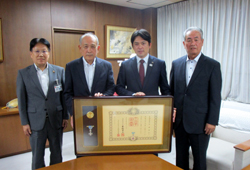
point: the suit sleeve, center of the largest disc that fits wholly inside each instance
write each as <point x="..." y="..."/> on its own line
<point x="215" y="95"/>
<point x="172" y="80"/>
<point x="68" y="89"/>
<point x="121" y="83"/>
<point x="110" y="82"/>
<point x="65" y="112"/>
<point x="22" y="99"/>
<point x="165" y="89"/>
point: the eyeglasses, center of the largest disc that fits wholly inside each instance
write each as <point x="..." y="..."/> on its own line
<point x="91" y="46"/>
<point x="39" y="52"/>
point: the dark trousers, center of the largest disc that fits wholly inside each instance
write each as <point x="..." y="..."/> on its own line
<point x="198" y="143"/>
<point x="38" y="142"/>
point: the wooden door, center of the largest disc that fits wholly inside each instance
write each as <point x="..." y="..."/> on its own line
<point x="65" y="45"/>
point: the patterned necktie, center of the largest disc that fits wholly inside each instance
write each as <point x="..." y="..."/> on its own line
<point x="141" y="71"/>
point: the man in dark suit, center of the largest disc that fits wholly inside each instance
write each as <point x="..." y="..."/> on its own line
<point x="41" y="103"/>
<point x="195" y="82"/>
<point x="143" y="74"/>
<point x="88" y="75"/>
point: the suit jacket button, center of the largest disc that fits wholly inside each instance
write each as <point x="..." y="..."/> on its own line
<point x="46" y="99"/>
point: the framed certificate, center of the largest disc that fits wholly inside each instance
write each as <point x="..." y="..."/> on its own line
<point x="122" y="125"/>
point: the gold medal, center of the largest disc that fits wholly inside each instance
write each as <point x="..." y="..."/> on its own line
<point x="90" y="115"/>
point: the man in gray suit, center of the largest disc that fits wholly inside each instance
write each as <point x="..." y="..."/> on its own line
<point x="41" y="103"/>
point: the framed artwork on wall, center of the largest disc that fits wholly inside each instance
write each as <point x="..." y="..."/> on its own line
<point x="117" y="42"/>
<point x="1" y="42"/>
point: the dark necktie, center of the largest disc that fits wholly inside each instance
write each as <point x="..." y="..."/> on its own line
<point x="141" y="71"/>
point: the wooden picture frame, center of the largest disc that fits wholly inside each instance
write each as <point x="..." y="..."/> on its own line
<point x="122" y="125"/>
<point x="117" y="42"/>
<point x="1" y="42"/>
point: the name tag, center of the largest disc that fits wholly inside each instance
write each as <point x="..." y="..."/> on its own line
<point x="58" y="88"/>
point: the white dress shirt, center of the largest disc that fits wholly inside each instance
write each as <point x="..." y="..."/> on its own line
<point x="43" y="77"/>
<point x="89" y="70"/>
<point x="190" y="67"/>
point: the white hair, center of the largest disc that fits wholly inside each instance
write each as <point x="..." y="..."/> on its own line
<point x="90" y="34"/>
<point x="192" y="29"/>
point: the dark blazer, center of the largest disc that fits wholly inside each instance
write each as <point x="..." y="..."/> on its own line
<point x="76" y="84"/>
<point x="128" y="81"/>
<point x="199" y="102"/>
<point x="32" y="102"/>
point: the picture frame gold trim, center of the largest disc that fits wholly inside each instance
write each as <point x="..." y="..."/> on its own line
<point x="117" y="42"/>
<point x="1" y="42"/>
<point x="100" y="148"/>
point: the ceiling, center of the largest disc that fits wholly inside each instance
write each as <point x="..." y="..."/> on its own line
<point x="139" y="4"/>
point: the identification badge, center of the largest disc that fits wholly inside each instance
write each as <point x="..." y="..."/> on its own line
<point x="58" y="87"/>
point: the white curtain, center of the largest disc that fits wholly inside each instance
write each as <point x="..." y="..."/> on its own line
<point x="226" y="27"/>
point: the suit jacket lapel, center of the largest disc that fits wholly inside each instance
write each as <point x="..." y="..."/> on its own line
<point x="182" y="73"/>
<point x="198" y="69"/>
<point x="98" y="71"/>
<point x="80" y="68"/>
<point x="135" y="70"/>
<point x="34" y="78"/>
<point x="52" y="79"/>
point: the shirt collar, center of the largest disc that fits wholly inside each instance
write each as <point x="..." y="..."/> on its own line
<point x="37" y="68"/>
<point x="145" y="58"/>
<point x="85" y="62"/>
<point x="196" y="58"/>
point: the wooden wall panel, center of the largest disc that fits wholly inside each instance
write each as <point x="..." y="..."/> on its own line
<point x="21" y="21"/>
<point x="150" y="15"/>
<point x="78" y="14"/>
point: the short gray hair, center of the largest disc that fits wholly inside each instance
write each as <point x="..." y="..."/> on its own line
<point x="90" y="34"/>
<point x="192" y="29"/>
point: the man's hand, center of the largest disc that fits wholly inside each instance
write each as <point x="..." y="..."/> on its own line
<point x="64" y="123"/>
<point x="98" y="94"/>
<point x="209" y="129"/>
<point x="174" y="114"/>
<point x="27" y="130"/>
<point x="139" y="94"/>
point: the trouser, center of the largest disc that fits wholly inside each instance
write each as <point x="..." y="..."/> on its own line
<point x="38" y="142"/>
<point x="198" y="143"/>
